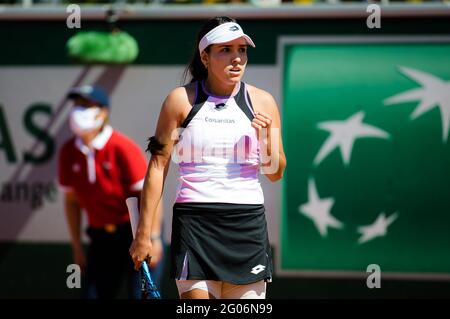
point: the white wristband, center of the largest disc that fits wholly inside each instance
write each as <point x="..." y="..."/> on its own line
<point x="155" y="237"/>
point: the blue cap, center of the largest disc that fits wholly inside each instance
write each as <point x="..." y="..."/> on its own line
<point x="90" y="92"/>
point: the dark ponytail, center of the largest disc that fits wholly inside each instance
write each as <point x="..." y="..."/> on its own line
<point x="195" y="69"/>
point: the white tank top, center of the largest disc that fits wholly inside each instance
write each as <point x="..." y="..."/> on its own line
<point x="218" y="151"/>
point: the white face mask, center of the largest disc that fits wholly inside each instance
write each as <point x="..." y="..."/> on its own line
<point x="84" y="120"/>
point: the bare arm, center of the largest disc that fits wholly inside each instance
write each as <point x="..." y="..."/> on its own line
<point x="169" y="119"/>
<point x="157" y="219"/>
<point x="157" y="222"/>
<point x="268" y="125"/>
<point x="156" y="237"/>
<point x="74" y="217"/>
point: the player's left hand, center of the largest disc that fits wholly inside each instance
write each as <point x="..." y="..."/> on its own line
<point x="261" y="120"/>
<point x="262" y="123"/>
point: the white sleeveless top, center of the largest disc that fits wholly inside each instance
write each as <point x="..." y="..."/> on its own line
<point x="218" y="151"/>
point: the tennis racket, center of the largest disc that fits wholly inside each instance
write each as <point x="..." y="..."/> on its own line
<point x="148" y="287"/>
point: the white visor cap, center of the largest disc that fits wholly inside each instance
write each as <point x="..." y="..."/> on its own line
<point x="223" y="33"/>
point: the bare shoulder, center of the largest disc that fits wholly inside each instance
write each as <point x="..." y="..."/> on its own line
<point x="181" y="95"/>
<point x="262" y="100"/>
<point x="179" y="101"/>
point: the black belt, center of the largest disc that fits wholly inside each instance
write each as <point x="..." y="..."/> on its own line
<point x="109" y="229"/>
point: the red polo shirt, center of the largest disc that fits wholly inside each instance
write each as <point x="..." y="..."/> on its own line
<point x="104" y="177"/>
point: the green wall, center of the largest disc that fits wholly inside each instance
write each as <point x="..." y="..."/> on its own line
<point x="171" y="41"/>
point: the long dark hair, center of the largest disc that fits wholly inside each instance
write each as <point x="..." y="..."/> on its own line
<point x="195" y="69"/>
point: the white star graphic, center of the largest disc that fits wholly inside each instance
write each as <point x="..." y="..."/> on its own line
<point x="344" y="134"/>
<point x="434" y="92"/>
<point x="318" y="210"/>
<point x="377" y="229"/>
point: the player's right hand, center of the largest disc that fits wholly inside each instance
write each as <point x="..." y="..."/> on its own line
<point x="140" y="250"/>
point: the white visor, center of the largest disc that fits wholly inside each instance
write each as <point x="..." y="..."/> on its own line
<point x="223" y="33"/>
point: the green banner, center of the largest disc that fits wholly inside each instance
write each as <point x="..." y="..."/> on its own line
<point x="366" y="131"/>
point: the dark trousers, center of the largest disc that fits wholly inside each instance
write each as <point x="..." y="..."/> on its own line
<point x="109" y="265"/>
